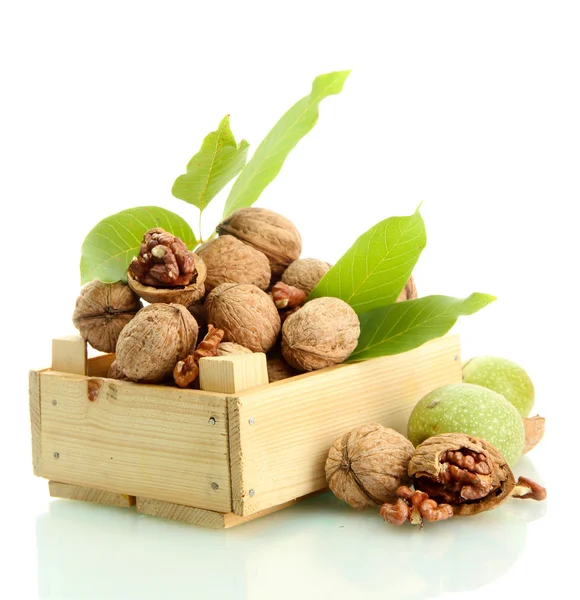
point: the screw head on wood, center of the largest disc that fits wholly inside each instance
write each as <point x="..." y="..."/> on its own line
<point x="214" y="485"/>
<point x="251" y="421"/>
<point x="56" y="455"/>
<point x="211" y="421"/>
<point x="251" y="493"/>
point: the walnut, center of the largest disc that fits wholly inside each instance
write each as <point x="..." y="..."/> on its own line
<point x="186" y="371"/>
<point x="415" y="507"/>
<point x="287" y="296"/>
<point x="267" y="231"/>
<point x="409" y="292"/>
<point x="230" y="261"/>
<point x="152" y="343"/>
<point x="322" y="333"/>
<point x="246" y="314"/>
<point x="115" y="373"/>
<point x="279" y="369"/>
<point x="229" y="348"/>
<point x="463" y="471"/>
<point x="101" y="312"/>
<point x="305" y="273"/>
<point x="166" y="271"/>
<point x="366" y="466"/>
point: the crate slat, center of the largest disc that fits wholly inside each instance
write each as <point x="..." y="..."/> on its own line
<point x="143" y="440"/>
<point x="197" y="516"/>
<point x="77" y="492"/>
<point x="280" y="434"/>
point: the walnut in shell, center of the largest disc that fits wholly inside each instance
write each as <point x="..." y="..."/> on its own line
<point x="461" y="470"/>
<point x="229" y="348"/>
<point x="152" y="343"/>
<point x="366" y="466"/>
<point x="305" y="273"/>
<point x="322" y="333"/>
<point x="101" y="312"/>
<point x="247" y="315"/>
<point x="267" y="231"/>
<point x="409" y="292"/>
<point x="230" y="261"/>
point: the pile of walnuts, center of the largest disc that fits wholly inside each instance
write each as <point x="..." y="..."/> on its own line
<point x="249" y="283"/>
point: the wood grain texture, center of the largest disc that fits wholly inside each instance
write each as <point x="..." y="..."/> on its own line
<point x="69" y="355"/>
<point x="35" y="420"/>
<point x="76" y="492"/>
<point x="281" y="455"/>
<point x="232" y="374"/>
<point x="197" y="516"/>
<point x="143" y="440"/>
<point x="98" y="366"/>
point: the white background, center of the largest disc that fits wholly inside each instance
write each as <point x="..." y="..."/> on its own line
<point x="470" y="107"/>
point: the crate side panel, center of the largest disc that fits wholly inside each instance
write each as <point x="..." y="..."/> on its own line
<point x="34" y="407"/>
<point x="280" y="436"/>
<point x="136" y="439"/>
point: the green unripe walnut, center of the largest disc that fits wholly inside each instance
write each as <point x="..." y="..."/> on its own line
<point x="504" y="377"/>
<point x="470" y="409"/>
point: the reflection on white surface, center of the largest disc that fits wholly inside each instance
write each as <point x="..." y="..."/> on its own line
<point x="320" y="546"/>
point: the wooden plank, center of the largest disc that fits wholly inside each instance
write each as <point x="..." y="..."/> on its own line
<point x="35" y="430"/>
<point x="232" y="374"/>
<point x="76" y="492"/>
<point x="143" y="440"/>
<point x="280" y="435"/>
<point x="98" y="366"/>
<point x="198" y="516"/>
<point x="69" y="355"/>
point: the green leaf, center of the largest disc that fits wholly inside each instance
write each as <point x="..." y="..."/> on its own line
<point x="270" y="155"/>
<point x="113" y="242"/>
<point x="218" y="161"/>
<point x="376" y="268"/>
<point x="406" y="325"/>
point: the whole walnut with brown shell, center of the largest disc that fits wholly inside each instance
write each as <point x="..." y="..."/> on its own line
<point x="228" y="260"/>
<point x="158" y="337"/>
<point x="247" y="315"/>
<point x="268" y="232"/>
<point x="101" y="312"/>
<point x="305" y="273"/>
<point x="409" y="292"/>
<point x="367" y="465"/>
<point x="324" y="332"/>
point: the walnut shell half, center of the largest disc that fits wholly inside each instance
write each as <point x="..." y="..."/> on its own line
<point x="436" y="468"/>
<point x="324" y="332"/>
<point x="185" y="295"/>
<point x="246" y="314"/>
<point x="366" y="465"/>
<point x="267" y="231"/>
<point x="151" y="344"/>
<point x="230" y="261"/>
<point x="101" y="312"/>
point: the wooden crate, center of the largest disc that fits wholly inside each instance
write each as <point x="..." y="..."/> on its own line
<point x="238" y="449"/>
